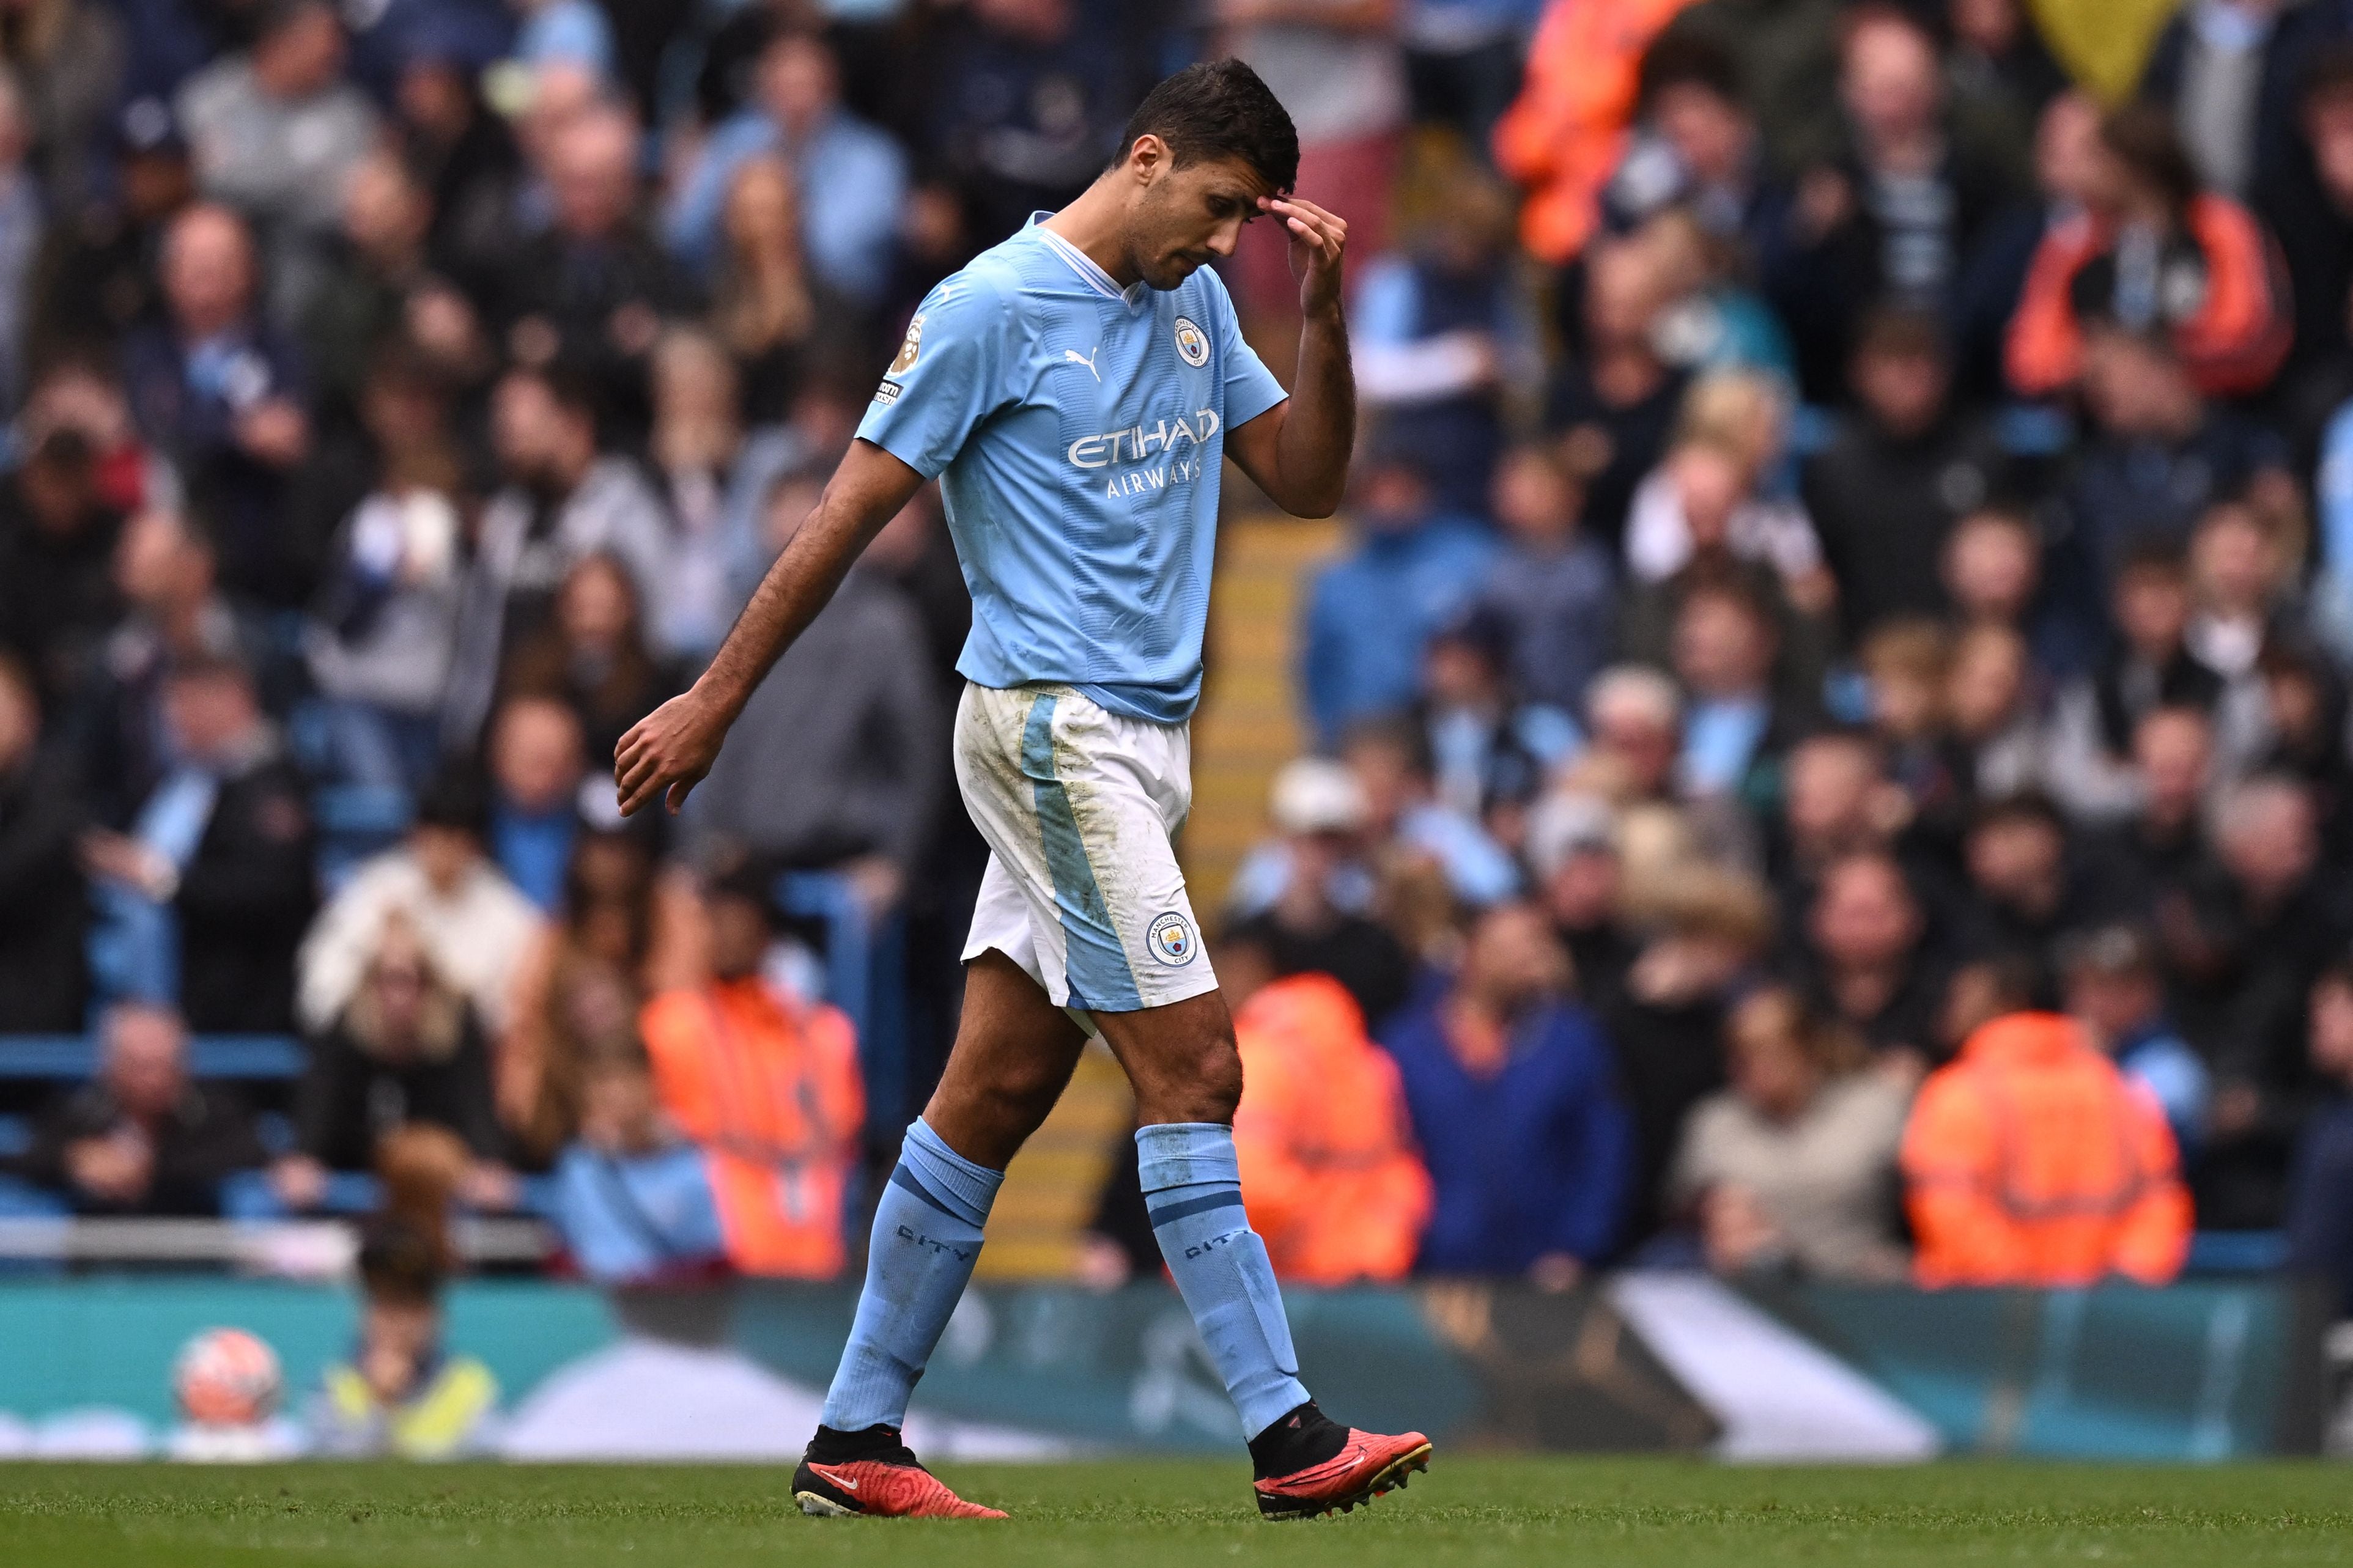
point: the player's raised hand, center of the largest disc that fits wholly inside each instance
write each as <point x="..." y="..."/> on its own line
<point x="669" y="751"/>
<point x="1317" y="240"/>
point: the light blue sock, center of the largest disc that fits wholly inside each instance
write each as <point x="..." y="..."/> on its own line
<point x="1193" y="1187"/>
<point x="927" y="1232"/>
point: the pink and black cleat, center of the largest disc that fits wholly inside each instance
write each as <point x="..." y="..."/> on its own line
<point x="1367" y="1465"/>
<point x="874" y="1474"/>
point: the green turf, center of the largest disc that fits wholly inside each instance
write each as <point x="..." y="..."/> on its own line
<point x="1138" y="1515"/>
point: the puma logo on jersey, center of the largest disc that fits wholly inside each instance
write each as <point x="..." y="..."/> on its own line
<point x="1088" y="361"/>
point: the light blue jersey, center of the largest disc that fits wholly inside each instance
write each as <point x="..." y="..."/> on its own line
<point x="1077" y="433"/>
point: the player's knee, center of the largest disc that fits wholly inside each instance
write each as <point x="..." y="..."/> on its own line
<point x="1199" y="1081"/>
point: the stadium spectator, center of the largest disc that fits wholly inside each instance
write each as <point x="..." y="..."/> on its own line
<point x="767" y="307"/>
<point x="1696" y="149"/>
<point x="1868" y="962"/>
<point x="142" y="1137"/>
<point x="222" y="392"/>
<point x="2028" y="886"/>
<point x="1898" y="475"/>
<point x="633" y="1196"/>
<point x="2031" y="1161"/>
<point x="766" y="1083"/>
<point x="537" y="772"/>
<point x="591" y="655"/>
<point x="2115" y="988"/>
<point x="1437" y="337"/>
<point x="57" y="538"/>
<point x="2157" y="854"/>
<point x="711" y="475"/>
<point x="366" y="279"/>
<point x="2096" y="715"/>
<point x="1733" y="729"/>
<point x="1326" y="1150"/>
<point x="1555" y="586"/>
<point x="1315" y="920"/>
<point x="2264" y="920"/>
<point x="472" y="922"/>
<point x="576" y="991"/>
<point x="1390" y="758"/>
<point x="274" y="131"/>
<point x="1573" y="862"/>
<point x="2319" y="1214"/>
<point x="43" y="916"/>
<point x="1489" y="749"/>
<point x="837" y="758"/>
<point x="2304" y="194"/>
<point x="402" y="1393"/>
<point x="1718" y="494"/>
<point x="1510" y="1089"/>
<point x="1369" y="615"/>
<point x="1613" y="406"/>
<point x="1992" y="569"/>
<point x="1562" y="136"/>
<point x="406" y="1049"/>
<point x="852" y="177"/>
<point x="1337" y="68"/>
<point x="2153" y="254"/>
<point x="566" y="497"/>
<point x="204" y="897"/>
<point x="380" y="636"/>
<point x="1895" y="215"/>
<point x="590" y="289"/>
<point x="1026" y="101"/>
<point x="2229" y="71"/>
<point x="1792" y="1168"/>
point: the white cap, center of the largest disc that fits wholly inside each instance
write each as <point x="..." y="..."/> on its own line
<point x="1562" y="824"/>
<point x="1315" y="794"/>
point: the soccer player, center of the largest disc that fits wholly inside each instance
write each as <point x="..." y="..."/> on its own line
<point x="1075" y="390"/>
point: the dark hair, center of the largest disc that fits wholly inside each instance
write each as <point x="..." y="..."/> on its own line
<point x="1897" y="331"/>
<point x="401" y="1264"/>
<point x="2026" y="807"/>
<point x="2154" y="557"/>
<point x="2143" y="137"/>
<point x="1686" y="60"/>
<point x="2329" y="75"/>
<point x="1218" y="108"/>
<point x="456" y="800"/>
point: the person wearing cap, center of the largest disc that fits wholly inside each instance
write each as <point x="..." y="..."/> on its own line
<point x="202" y="897"/>
<point x="1572" y="856"/>
<point x="2115" y="988"/>
<point x="1314" y="920"/>
<point x="474" y="923"/>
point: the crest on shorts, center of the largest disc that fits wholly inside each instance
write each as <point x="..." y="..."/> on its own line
<point x="910" y="348"/>
<point x="1192" y="342"/>
<point x="1171" y="939"/>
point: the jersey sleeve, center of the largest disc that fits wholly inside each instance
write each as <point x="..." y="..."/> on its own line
<point x="953" y="371"/>
<point x="1251" y="388"/>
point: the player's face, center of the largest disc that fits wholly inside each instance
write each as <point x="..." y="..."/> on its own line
<point x="1189" y="214"/>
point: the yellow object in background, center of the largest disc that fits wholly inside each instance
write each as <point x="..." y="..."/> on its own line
<point x="2104" y="43"/>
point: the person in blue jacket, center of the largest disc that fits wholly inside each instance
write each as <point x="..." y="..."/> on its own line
<point x="1510" y="1088"/>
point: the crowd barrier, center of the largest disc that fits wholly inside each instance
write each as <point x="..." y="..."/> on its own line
<point x="1640" y="1362"/>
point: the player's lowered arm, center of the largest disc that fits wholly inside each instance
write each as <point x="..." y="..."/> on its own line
<point x="671" y="750"/>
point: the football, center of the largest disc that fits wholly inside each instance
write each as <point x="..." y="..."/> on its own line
<point x="228" y="1377"/>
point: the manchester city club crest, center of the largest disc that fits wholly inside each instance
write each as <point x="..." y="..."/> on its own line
<point x="1192" y="342"/>
<point x="1171" y="939"/>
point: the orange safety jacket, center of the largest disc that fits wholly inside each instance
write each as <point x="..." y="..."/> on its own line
<point x="1330" y="1177"/>
<point x="2031" y="1161"/>
<point x="2233" y="343"/>
<point x="1562" y="136"/>
<point x="771" y="1091"/>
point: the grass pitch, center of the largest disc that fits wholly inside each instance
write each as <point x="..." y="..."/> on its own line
<point x="1475" y="1510"/>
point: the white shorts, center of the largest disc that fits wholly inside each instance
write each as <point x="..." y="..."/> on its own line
<point x="1078" y="805"/>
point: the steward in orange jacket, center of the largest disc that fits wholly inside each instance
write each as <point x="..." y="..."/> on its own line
<point x="771" y="1091"/>
<point x="1329" y="1173"/>
<point x="2031" y="1161"/>
<point x="1562" y="136"/>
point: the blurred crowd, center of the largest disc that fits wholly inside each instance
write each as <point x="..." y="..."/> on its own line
<point x="1830" y="727"/>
